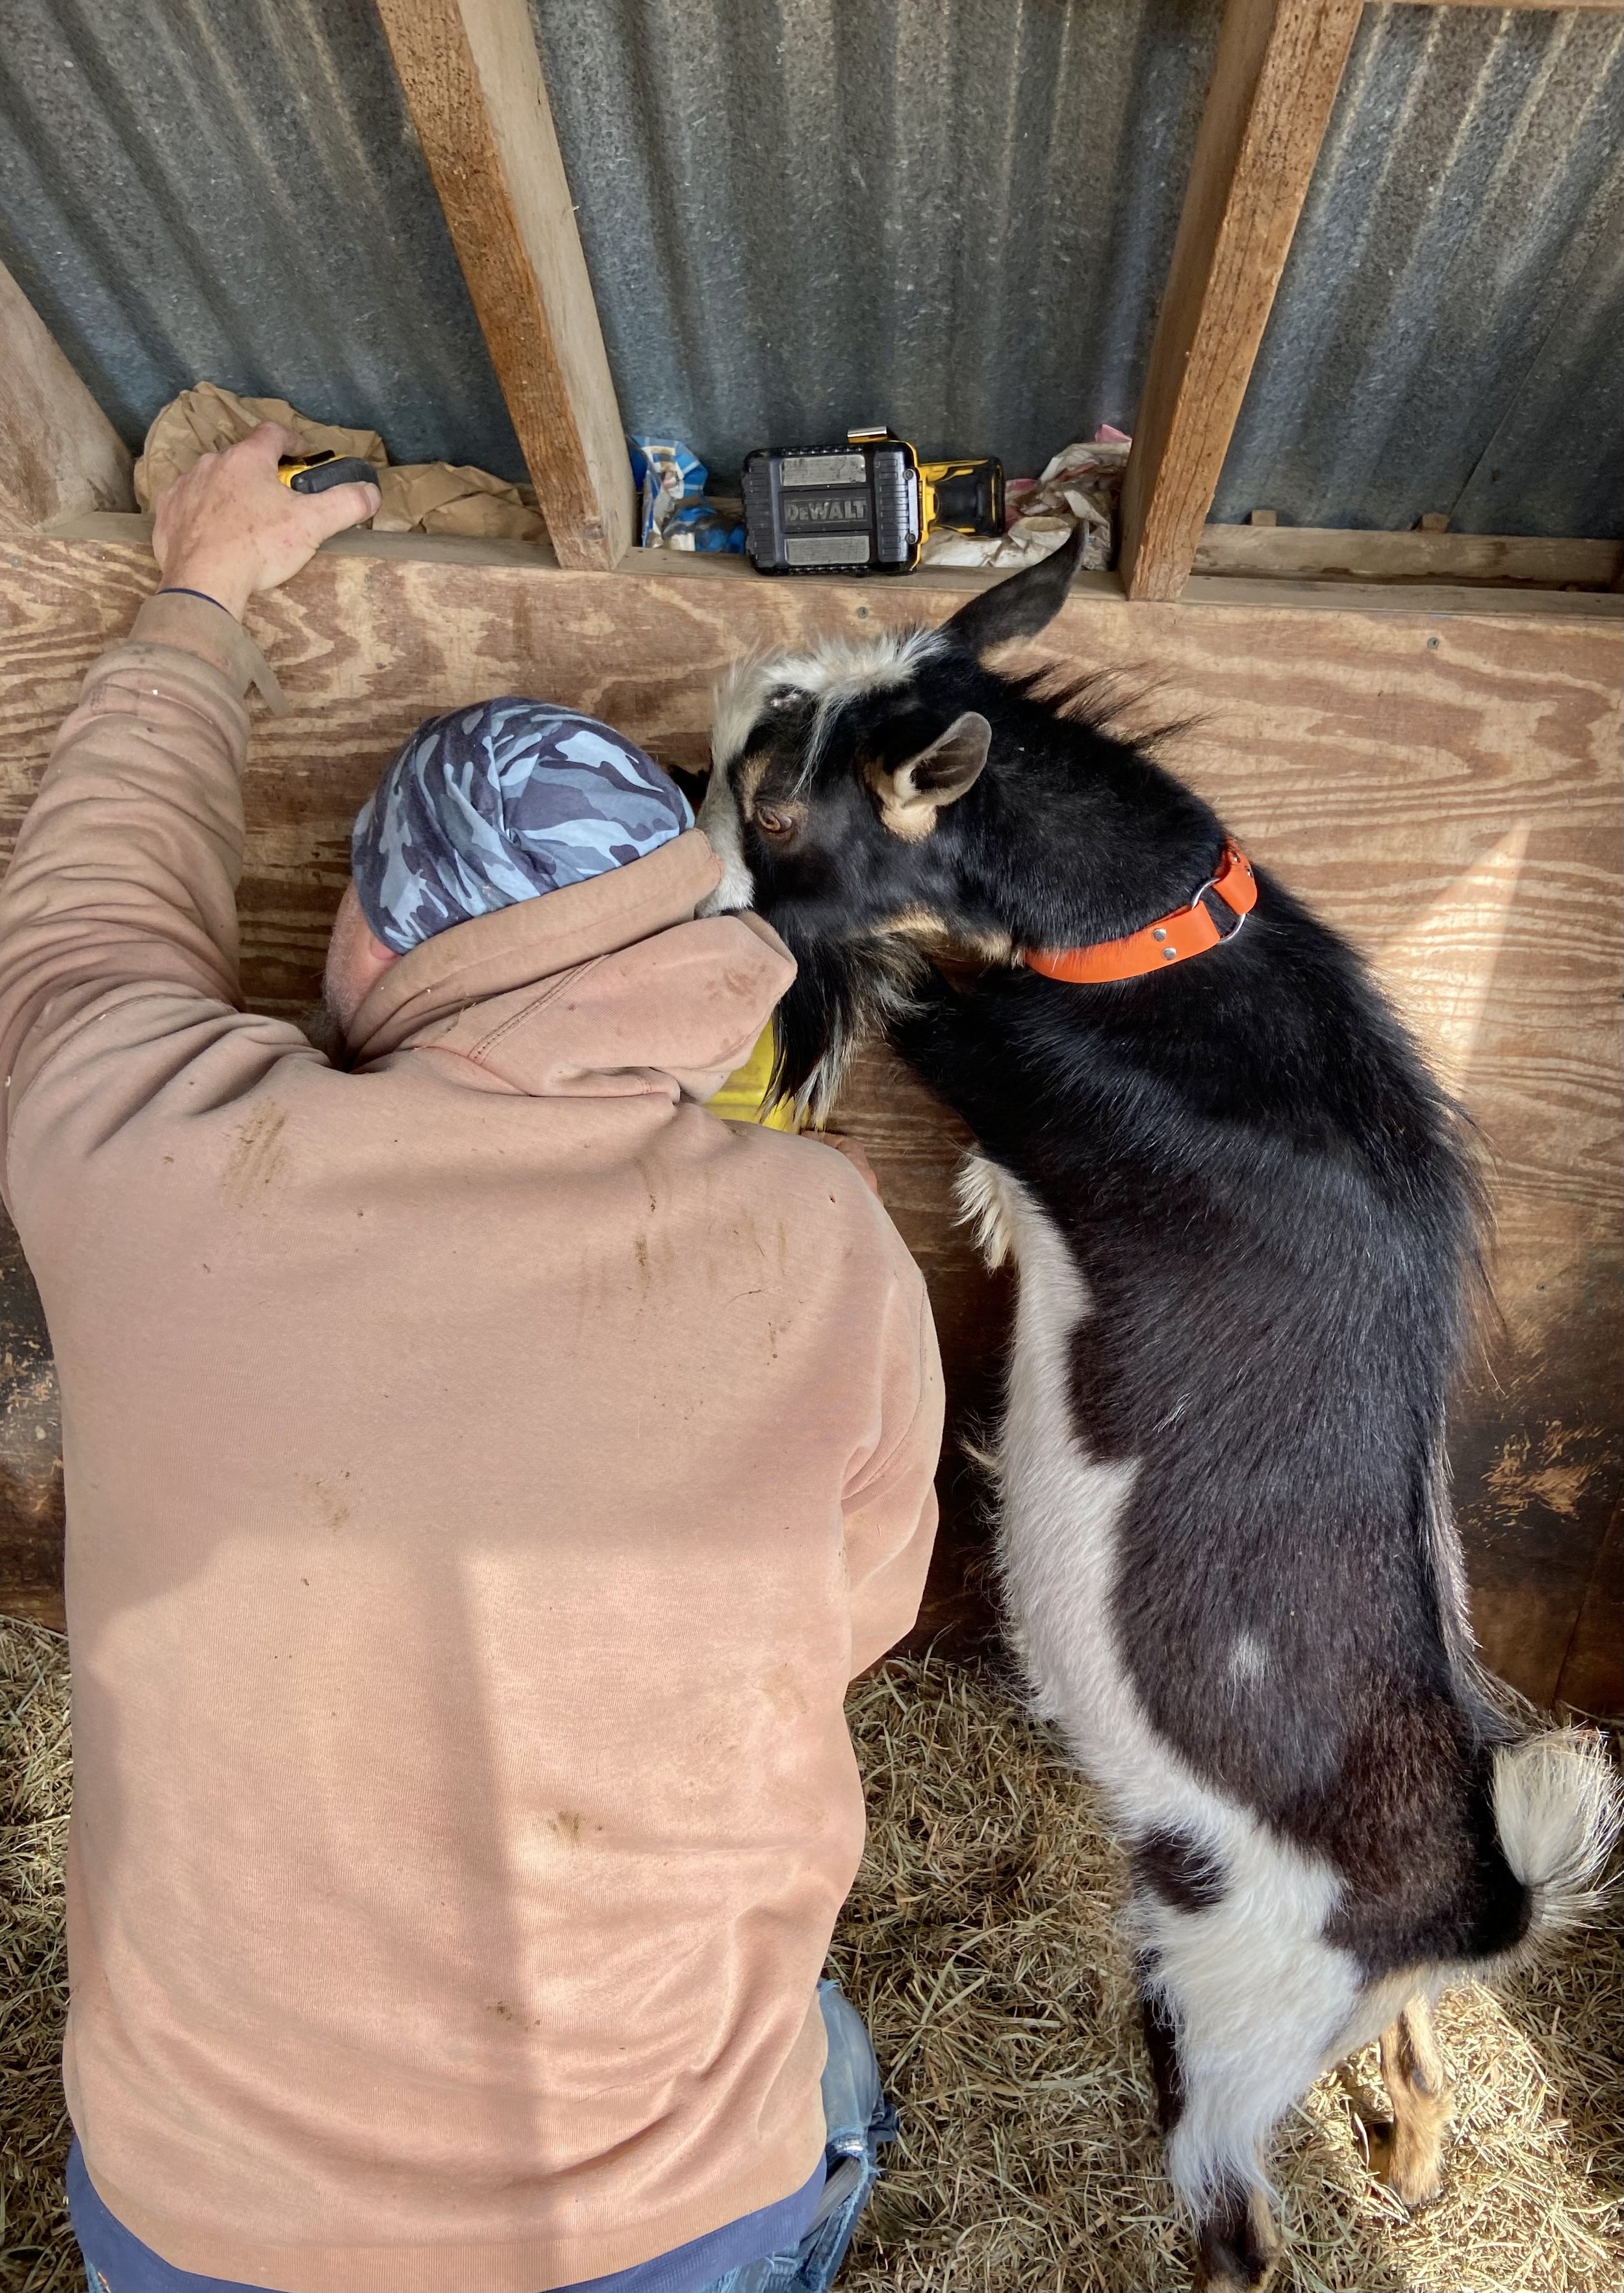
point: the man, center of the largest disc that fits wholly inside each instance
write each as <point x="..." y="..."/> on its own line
<point x="485" y="1470"/>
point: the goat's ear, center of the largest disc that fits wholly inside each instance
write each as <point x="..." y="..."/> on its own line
<point x="911" y="792"/>
<point x="1028" y="601"/>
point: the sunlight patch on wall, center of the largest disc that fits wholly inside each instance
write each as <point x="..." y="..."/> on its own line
<point x="1439" y="968"/>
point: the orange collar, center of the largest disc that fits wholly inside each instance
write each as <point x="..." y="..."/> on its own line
<point x="1187" y="931"/>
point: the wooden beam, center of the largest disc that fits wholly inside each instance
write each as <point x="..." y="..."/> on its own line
<point x="1328" y="554"/>
<point x="1278" y="66"/>
<point x="1462" y="600"/>
<point x="737" y="582"/>
<point x="1611" y="7"/>
<point x="59" y="455"/>
<point x="473" y="84"/>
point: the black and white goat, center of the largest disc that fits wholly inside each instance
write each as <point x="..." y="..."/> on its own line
<point x="1243" y="1230"/>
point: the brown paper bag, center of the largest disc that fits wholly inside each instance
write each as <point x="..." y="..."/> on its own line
<point x="437" y="497"/>
<point x="419" y="497"/>
<point x="202" y="420"/>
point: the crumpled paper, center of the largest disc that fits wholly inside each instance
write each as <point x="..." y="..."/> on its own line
<point x="1079" y="486"/>
<point x="419" y="497"/>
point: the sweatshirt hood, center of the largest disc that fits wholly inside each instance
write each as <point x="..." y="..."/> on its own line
<point x="611" y="988"/>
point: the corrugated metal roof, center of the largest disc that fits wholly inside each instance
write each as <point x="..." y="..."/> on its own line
<point x="231" y="190"/>
<point x="1447" y="333"/>
<point x="952" y="215"/>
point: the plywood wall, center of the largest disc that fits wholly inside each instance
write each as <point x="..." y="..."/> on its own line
<point x="1442" y="785"/>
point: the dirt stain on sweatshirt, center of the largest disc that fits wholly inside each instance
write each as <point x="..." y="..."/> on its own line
<point x="258" y="1159"/>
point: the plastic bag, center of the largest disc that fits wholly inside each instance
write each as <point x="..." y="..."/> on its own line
<point x="675" y="511"/>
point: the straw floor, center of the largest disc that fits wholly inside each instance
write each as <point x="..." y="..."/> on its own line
<point x="981" y="1943"/>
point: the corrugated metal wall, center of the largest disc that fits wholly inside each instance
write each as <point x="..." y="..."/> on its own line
<point x="803" y="214"/>
<point x="955" y="214"/>
<point x="1450" y="331"/>
<point x="230" y="189"/>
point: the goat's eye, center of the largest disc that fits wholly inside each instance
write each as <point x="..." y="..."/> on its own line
<point x="771" y="822"/>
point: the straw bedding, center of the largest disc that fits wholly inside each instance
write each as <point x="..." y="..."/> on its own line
<point x="981" y="1943"/>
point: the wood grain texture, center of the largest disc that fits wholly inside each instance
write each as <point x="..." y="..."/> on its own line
<point x="1444" y="788"/>
<point x="1278" y="66"/>
<point x="1330" y="554"/>
<point x="58" y="453"/>
<point x="472" y="79"/>
<point x="1588" y="1677"/>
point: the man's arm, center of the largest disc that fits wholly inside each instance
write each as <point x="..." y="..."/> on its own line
<point x="890" y="1509"/>
<point x="124" y="880"/>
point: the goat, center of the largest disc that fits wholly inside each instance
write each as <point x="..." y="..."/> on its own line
<point x="1243" y="1221"/>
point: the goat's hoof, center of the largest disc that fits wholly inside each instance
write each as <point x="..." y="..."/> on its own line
<point x="1416" y="2178"/>
<point x="1237" y="2246"/>
<point x="1414" y="2181"/>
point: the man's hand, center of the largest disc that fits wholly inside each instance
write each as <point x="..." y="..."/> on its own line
<point x="231" y="528"/>
<point x="854" y="1155"/>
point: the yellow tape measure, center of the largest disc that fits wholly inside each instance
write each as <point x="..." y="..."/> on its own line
<point x="316" y="473"/>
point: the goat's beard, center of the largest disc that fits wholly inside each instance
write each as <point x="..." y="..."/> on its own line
<point x="844" y="993"/>
<point x="323" y="1029"/>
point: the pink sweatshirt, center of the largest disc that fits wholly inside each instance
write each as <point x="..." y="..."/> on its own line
<point x="485" y="1471"/>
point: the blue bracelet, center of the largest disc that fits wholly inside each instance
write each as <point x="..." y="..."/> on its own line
<point x="207" y="600"/>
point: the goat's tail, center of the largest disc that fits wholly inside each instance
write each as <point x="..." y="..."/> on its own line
<point x="1558" y="1809"/>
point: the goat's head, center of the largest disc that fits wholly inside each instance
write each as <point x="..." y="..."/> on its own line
<point x="835" y="805"/>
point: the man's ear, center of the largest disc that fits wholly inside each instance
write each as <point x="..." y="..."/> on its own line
<point x="913" y="792"/>
<point x="356" y="961"/>
<point x="1019" y="607"/>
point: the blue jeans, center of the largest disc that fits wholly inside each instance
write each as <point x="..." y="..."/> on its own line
<point x="858" y="2118"/>
<point x="856" y="2113"/>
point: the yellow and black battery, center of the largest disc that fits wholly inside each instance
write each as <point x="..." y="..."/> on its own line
<point x="862" y="508"/>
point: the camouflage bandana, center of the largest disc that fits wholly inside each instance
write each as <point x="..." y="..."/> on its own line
<point x="501" y="803"/>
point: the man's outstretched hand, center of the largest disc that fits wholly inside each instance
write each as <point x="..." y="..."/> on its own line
<point x="229" y="527"/>
<point x="854" y="1155"/>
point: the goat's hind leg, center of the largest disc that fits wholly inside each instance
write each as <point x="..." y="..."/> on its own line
<point x="1244" y="2000"/>
<point x="1235" y="2240"/>
<point x="1408" y="2154"/>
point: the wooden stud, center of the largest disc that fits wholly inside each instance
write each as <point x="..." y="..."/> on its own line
<point x="1278" y="66"/>
<point x="473" y="84"/>
<point x="59" y="456"/>
<point x="1266" y="517"/>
